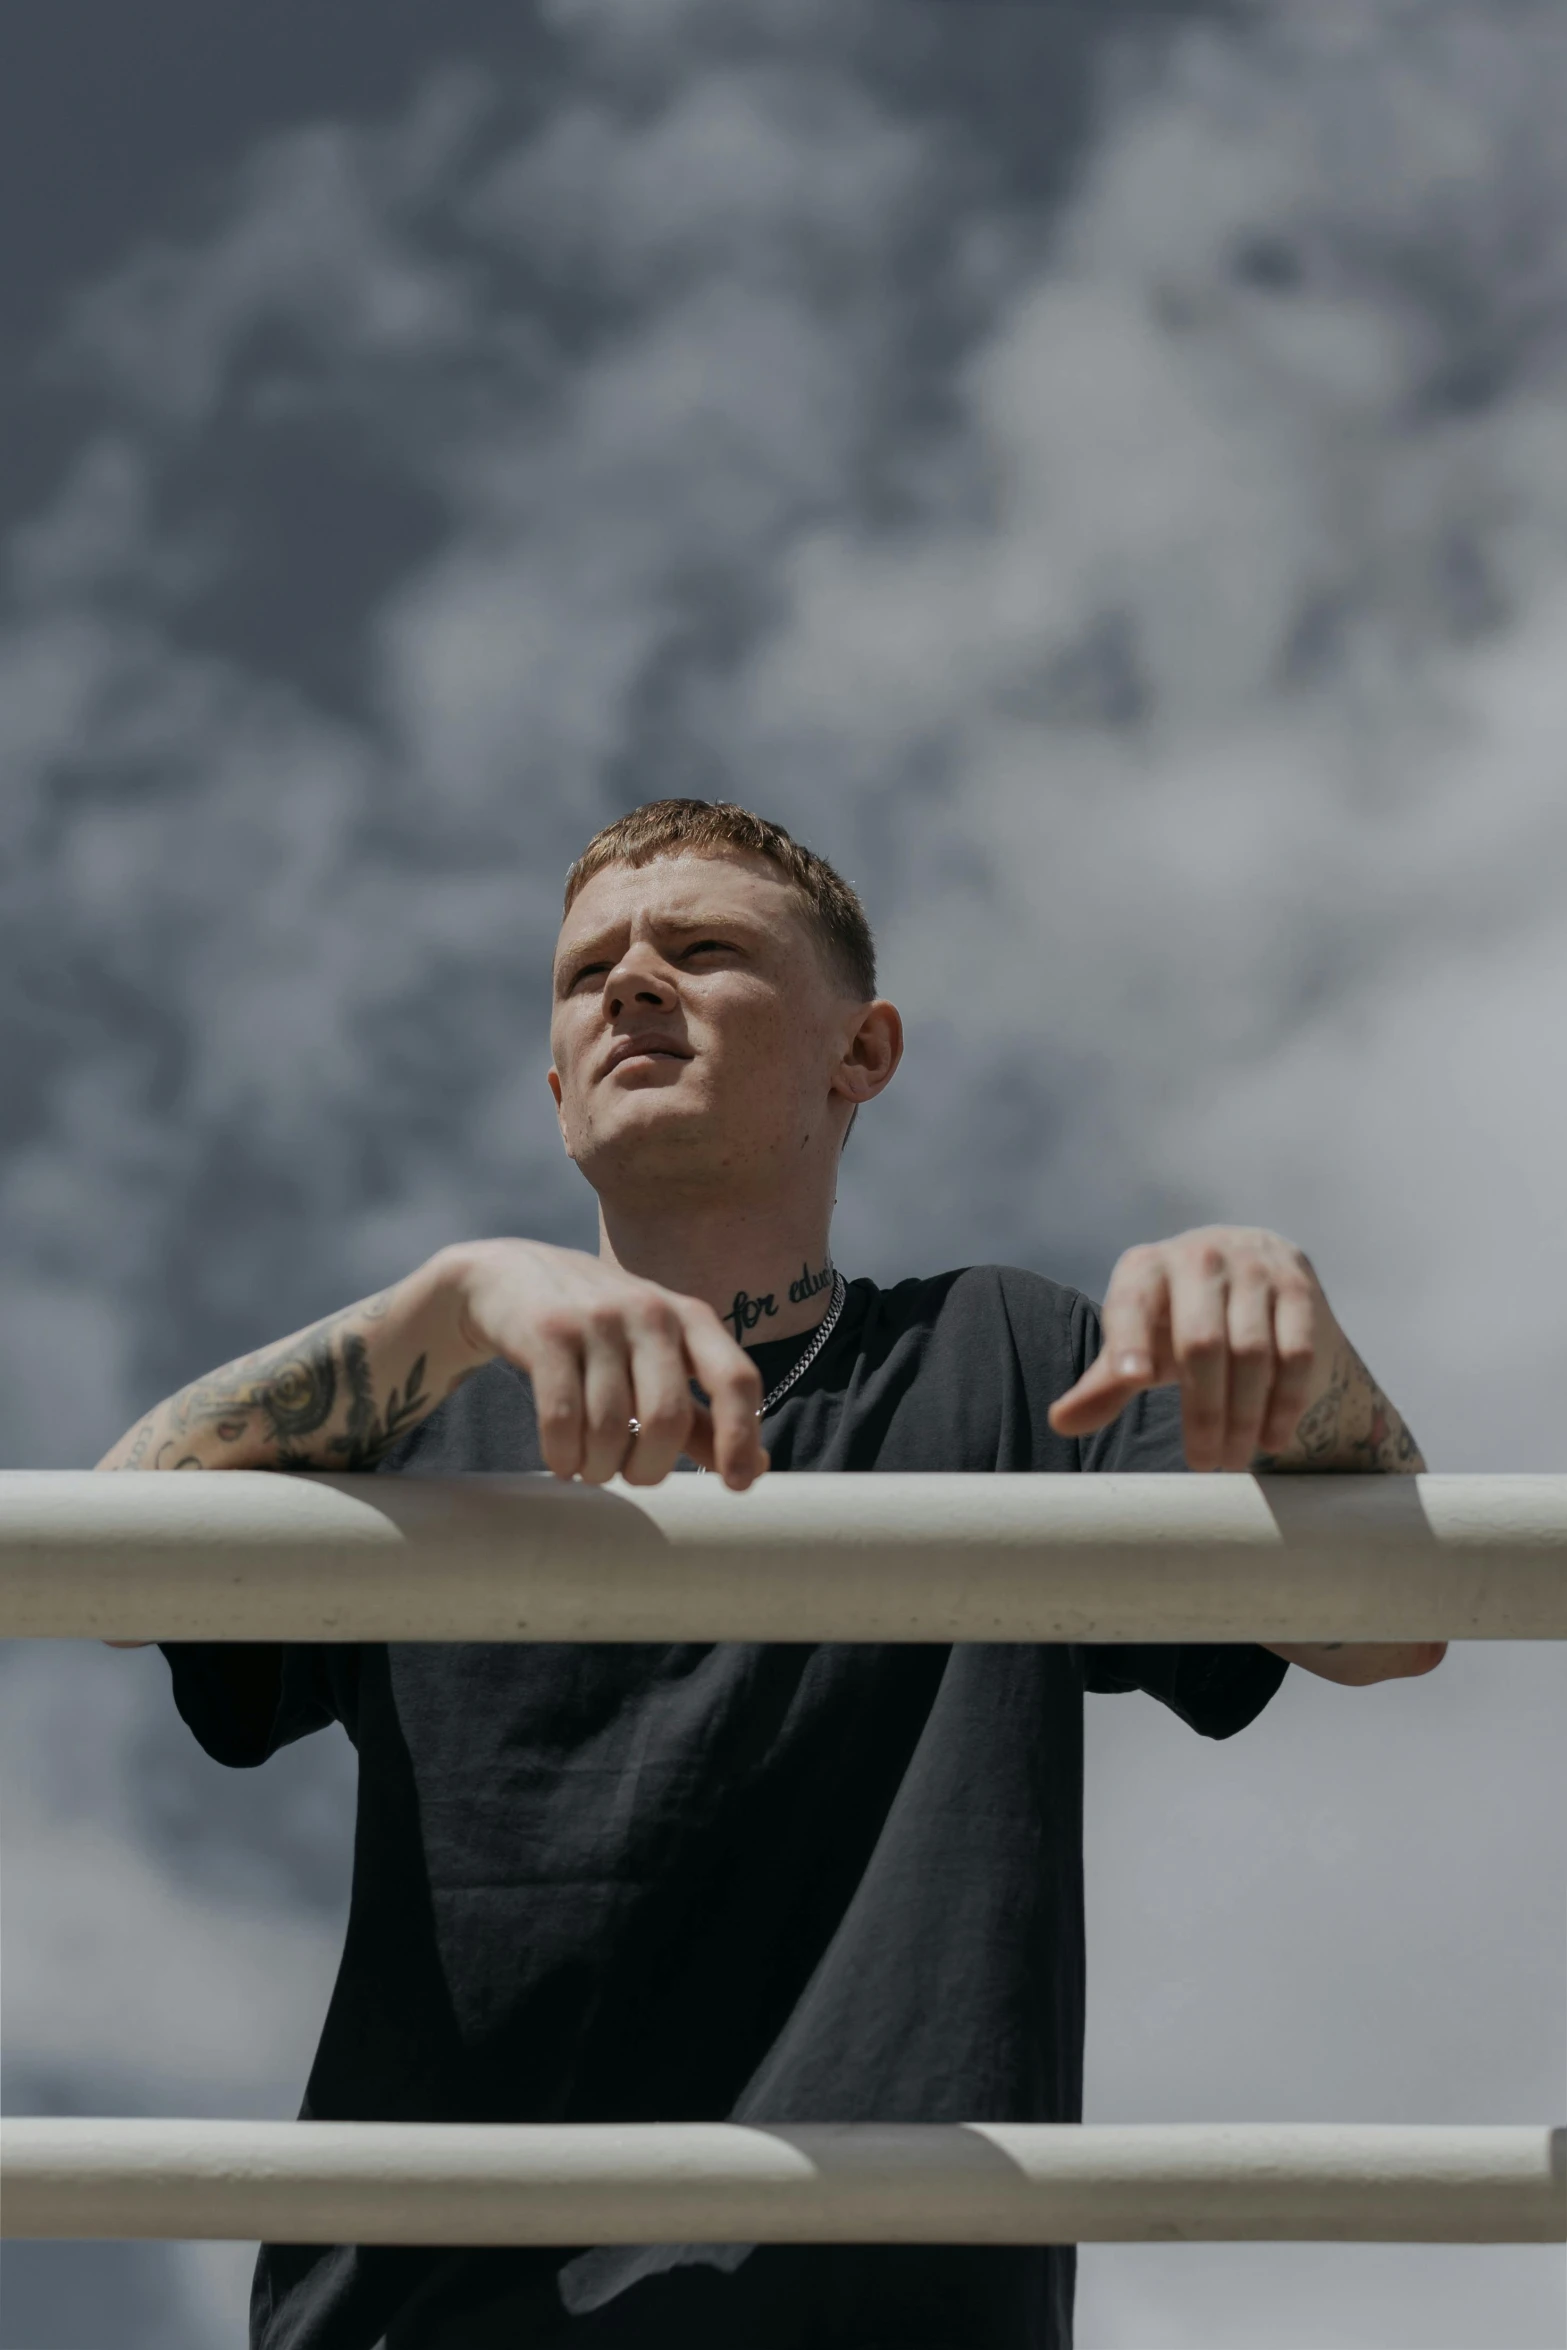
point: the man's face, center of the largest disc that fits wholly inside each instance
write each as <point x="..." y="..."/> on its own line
<point x="696" y="1029"/>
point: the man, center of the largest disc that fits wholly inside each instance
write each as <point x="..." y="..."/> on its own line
<point x="773" y="1883"/>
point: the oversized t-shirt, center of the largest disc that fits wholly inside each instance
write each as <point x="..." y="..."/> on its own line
<point x="772" y="1883"/>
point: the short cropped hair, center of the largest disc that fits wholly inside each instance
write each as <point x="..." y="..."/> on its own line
<point x="663" y="828"/>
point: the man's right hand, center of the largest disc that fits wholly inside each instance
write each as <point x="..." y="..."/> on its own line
<point x="602" y="1349"/>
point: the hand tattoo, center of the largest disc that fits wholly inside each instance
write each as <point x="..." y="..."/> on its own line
<point x="1350" y="1428"/>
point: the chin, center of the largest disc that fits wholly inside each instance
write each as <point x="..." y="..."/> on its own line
<point x="647" y="1135"/>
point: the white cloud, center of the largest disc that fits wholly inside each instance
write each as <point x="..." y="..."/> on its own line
<point x="314" y="241"/>
<point x="184" y="1991"/>
<point x="1156" y="602"/>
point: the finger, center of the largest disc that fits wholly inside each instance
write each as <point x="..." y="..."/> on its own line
<point x="1199" y="1343"/>
<point x="1251" y="1365"/>
<point x="607" y="1395"/>
<point x="663" y="1404"/>
<point x="1295" y="1352"/>
<point x="1102" y="1391"/>
<point x="555" y="1367"/>
<point x="699" y="1441"/>
<point x="1133" y="1350"/>
<point x="699" y="1437"/>
<point x="734" y="1391"/>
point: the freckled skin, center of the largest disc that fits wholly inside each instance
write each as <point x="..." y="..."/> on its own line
<point x="763" y="1019"/>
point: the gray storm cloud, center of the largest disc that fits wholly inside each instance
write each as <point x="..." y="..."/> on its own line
<point x="1128" y="531"/>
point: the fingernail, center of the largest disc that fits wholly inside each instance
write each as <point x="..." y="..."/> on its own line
<point x="1133" y="1366"/>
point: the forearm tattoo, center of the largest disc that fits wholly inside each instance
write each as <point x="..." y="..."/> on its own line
<point x="310" y="1403"/>
<point x="1351" y="1427"/>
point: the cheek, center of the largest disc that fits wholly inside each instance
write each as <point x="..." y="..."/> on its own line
<point x="564" y="1061"/>
<point x="780" y="1060"/>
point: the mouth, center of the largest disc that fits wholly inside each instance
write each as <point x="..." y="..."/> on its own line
<point x="643" y="1048"/>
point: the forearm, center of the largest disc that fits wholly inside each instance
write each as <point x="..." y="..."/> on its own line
<point x="335" y="1396"/>
<point x="1351" y="1429"/>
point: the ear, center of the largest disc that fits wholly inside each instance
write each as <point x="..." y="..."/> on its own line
<point x="871" y="1054"/>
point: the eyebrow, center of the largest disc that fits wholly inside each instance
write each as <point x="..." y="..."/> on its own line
<point x="597" y="945"/>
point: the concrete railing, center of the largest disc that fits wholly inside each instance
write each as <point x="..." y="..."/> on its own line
<point x="256" y="1557"/>
<point x="718" y="2183"/>
<point x="938" y="1558"/>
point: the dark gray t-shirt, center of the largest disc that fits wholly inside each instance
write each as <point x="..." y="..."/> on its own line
<point x="773" y="1883"/>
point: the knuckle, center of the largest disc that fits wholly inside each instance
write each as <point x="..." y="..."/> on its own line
<point x="557" y="1325"/>
<point x="1198" y="1349"/>
<point x="1211" y="1259"/>
<point x="1135" y="1277"/>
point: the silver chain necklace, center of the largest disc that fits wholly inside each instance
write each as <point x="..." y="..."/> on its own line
<point x="824" y="1330"/>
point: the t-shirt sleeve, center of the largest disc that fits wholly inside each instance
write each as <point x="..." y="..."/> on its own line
<point x="1215" y="1688"/>
<point x="244" y="1699"/>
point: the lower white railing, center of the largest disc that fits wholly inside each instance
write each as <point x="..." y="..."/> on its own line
<point x="939" y="1558"/>
<point x="714" y="2182"/>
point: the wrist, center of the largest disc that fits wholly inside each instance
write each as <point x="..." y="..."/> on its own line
<point x="450" y="1280"/>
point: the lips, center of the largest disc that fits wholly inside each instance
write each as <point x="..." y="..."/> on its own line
<point x="630" y="1048"/>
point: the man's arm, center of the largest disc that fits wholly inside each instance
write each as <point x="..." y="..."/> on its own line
<point x="1351" y="1426"/>
<point x="338" y="1395"/>
<point x="1268" y="1382"/>
<point x="611" y="1359"/>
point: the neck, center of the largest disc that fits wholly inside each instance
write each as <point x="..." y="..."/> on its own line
<point x="765" y="1273"/>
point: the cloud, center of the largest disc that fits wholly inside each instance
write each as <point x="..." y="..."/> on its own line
<point x="1110" y="493"/>
<point x="1217" y="668"/>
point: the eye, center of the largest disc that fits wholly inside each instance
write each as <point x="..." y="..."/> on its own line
<point x="706" y="946"/>
<point x="588" y="971"/>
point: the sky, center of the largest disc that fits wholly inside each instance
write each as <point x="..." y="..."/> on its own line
<point x="1099" y="474"/>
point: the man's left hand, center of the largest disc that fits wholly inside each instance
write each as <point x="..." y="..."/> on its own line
<point x="1238" y="1318"/>
<point x="1268" y="1381"/>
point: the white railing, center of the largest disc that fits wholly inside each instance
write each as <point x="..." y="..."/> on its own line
<point x="719" y="2183"/>
<point x="940" y="1558"/>
<point x="256" y="1557"/>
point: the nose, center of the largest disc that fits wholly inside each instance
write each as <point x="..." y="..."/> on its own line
<point x="639" y="979"/>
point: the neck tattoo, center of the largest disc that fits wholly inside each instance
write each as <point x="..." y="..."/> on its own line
<point x="747" y="1310"/>
<point x="809" y="1284"/>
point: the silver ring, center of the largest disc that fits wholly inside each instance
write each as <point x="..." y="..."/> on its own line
<point x="635" y="1426"/>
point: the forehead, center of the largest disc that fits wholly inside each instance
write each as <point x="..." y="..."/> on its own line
<point x="679" y="890"/>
